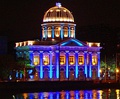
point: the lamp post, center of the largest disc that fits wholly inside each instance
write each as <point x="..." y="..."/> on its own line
<point x="117" y="72"/>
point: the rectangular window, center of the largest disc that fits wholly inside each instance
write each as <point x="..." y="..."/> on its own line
<point x="81" y="60"/>
<point x="71" y="60"/>
<point x="94" y="60"/>
<point x="36" y="60"/>
<point x="46" y="60"/>
<point x="62" y="60"/>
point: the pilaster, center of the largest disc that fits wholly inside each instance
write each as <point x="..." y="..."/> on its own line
<point x="41" y="64"/>
<point x="67" y="64"/>
<point x="76" y="64"/>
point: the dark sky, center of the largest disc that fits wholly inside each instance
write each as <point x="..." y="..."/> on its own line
<point x="21" y="19"/>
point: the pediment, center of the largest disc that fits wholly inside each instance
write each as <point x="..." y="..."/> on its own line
<point x="73" y="42"/>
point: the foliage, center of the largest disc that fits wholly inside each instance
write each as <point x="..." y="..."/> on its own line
<point x="110" y="64"/>
<point x="7" y="64"/>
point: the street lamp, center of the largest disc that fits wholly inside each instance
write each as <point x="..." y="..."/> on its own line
<point x="117" y="72"/>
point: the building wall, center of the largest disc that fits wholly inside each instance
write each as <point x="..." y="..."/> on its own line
<point x="63" y="62"/>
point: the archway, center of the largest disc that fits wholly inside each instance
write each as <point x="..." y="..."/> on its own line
<point x="62" y="74"/>
<point x="94" y="74"/>
<point x="46" y="74"/>
<point x="81" y="75"/>
<point x="71" y="74"/>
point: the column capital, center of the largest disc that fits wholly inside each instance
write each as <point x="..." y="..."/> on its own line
<point x="76" y="51"/>
<point x="57" y="51"/>
<point x="98" y="52"/>
<point x="90" y="52"/>
<point x="41" y="51"/>
<point x="50" y="51"/>
<point x="31" y="51"/>
<point x="67" y="51"/>
<point x="85" y="51"/>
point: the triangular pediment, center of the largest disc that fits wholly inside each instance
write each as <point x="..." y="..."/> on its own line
<point x="72" y="42"/>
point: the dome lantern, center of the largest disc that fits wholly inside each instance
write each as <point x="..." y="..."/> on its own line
<point x="58" y="14"/>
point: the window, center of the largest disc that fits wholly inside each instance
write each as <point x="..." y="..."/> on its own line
<point x="57" y="31"/>
<point x="72" y="32"/>
<point x="94" y="60"/>
<point x="36" y="60"/>
<point x="81" y="60"/>
<point x="49" y="32"/>
<point x="43" y="32"/>
<point x="65" y="32"/>
<point x="71" y="60"/>
<point x="46" y="60"/>
<point x="62" y="60"/>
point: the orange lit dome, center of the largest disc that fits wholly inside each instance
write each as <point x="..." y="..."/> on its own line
<point x="58" y="14"/>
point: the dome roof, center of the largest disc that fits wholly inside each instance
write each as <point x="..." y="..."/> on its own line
<point x="58" y="14"/>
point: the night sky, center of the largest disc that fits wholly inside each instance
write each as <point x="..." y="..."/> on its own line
<point x="21" y="19"/>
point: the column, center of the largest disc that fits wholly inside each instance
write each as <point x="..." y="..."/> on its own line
<point x="50" y="72"/>
<point x="46" y="32"/>
<point x="76" y="64"/>
<point x="41" y="64"/>
<point x="74" y="32"/>
<point x="67" y="64"/>
<point x="90" y="64"/>
<point x="85" y="62"/>
<point x="69" y="31"/>
<point x="31" y="57"/>
<point x="61" y="32"/>
<point x="57" y="64"/>
<point x="98" y="54"/>
<point x="53" y="33"/>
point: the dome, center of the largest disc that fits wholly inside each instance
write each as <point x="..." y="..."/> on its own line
<point x="58" y="14"/>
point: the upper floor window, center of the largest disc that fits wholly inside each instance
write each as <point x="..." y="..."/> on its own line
<point x="36" y="60"/>
<point x="49" y="32"/>
<point x="65" y="32"/>
<point x="71" y="60"/>
<point x="62" y="60"/>
<point x="72" y="32"/>
<point x="43" y="32"/>
<point x="57" y="31"/>
<point x="81" y="60"/>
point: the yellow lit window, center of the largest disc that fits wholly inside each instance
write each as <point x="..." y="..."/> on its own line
<point x="62" y="60"/>
<point x="65" y="32"/>
<point x="36" y="60"/>
<point x="57" y="31"/>
<point x="49" y="32"/>
<point x="45" y="60"/>
<point x="94" y="60"/>
<point x="72" y="32"/>
<point x="81" y="60"/>
<point x="71" y="60"/>
<point x="43" y="35"/>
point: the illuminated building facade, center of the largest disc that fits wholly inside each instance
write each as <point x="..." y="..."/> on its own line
<point x="58" y="55"/>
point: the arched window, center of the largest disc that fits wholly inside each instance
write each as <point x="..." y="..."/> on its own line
<point x="57" y="31"/>
<point x="62" y="60"/>
<point x="49" y="32"/>
<point x="46" y="60"/>
<point x="72" y="32"/>
<point x="71" y="60"/>
<point x="81" y="60"/>
<point x="65" y="32"/>
<point x="43" y="32"/>
<point x="94" y="59"/>
<point x="36" y="60"/>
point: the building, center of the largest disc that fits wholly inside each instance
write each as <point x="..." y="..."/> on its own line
<point x="58" y="55"/>
<point x="3" y="45"/>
